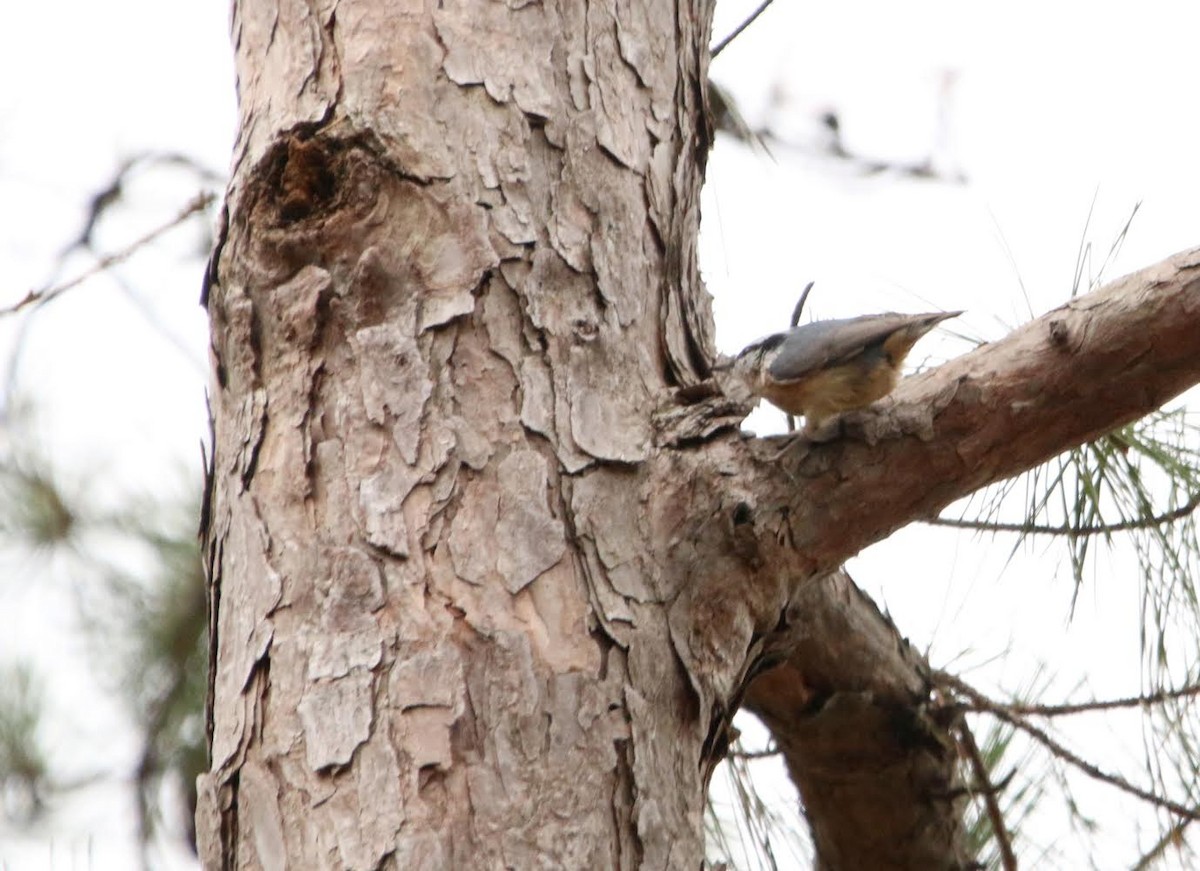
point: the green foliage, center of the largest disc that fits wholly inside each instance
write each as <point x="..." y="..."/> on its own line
<point x="34" y="511"/>
<point x="1010" y="768"/>
<point x="162" y="662"/>
<point x="137" y="574"/>
<point x="24" y="770"/>
<point x="1140" y="484"/>
<point x="132" y="566"/>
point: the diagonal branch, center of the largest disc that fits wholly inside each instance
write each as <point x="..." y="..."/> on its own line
<point x="1173" y="837"/>
<point x="849" y="711"/>
<point x="966" y="740"/>
<point x="765" y="528"/>
<point x="737" y="31"/>
<point x="979" y="700"/>
<point x="1090" y="366"/>
<point x="39" y="297"/>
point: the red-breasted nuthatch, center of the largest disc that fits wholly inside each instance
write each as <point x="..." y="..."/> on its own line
<point x="827" y="367"/>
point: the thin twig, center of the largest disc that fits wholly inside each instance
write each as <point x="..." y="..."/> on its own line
<point x="40" y="297"/>
<point x="1086" y="707"/>
<point x="966" y="740"/>
<point x="1002" y="712"/>
<point x="1179" y="513"/>
<point x="108" y="196"/>
<point x="1172" y="837"/>
<point x="754" y="754"/>
<point x="737" y="31"/>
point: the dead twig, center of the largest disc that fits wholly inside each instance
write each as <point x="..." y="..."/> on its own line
<point x="1179" y="513"/>
<point x="45" y="295"/>
<point x="737" y="31"/>
<point x="988" y="792"/>
<point x="982" y="703"/>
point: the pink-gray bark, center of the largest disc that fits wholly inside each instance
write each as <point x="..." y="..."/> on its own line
<point x="481" y="596"/>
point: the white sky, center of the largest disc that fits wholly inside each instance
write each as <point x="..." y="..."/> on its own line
<point x="1047" y="106"/>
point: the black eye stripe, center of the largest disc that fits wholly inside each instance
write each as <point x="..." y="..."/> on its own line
<point x="770" y="343"/>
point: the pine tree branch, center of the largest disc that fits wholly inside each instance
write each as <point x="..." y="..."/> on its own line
<point x="970" y="748"/>
<point x="1003" y="712"/>
<point x="848" y="711"/>
<point x="40" y="297"/>
<point x="1091" y="366"/>
<point x="737" y="31"/>
<point x="1018" y="709"/>
<point x="769" y="753"/>
<point x="1173" y="837"/>
<point x="1179" y="513"/>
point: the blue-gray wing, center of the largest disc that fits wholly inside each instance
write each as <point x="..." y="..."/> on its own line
<point x="821" y="344"/>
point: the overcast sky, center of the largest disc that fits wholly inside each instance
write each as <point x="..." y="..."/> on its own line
<point x="1043" y="108"/>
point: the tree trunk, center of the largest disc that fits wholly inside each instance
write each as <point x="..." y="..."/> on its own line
<point x="474" y="604"/>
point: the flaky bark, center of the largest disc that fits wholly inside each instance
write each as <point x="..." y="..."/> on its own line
<point x="1088" y="367"/>
<point x="458" y="276"/>
<point x="1083" y="369"/>
<point x="850" y="711"/>
<point x="472" y="606"/>
<point x="850" y="707"/>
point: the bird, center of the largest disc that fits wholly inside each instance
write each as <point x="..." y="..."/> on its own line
<point x="827" y="367"/>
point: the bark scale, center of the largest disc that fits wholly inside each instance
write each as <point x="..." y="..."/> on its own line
<point x="458" y="276"/>
<point x="474" y="604"/>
